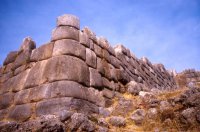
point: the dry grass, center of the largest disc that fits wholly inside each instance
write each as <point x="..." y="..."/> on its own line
<point x="171" y="94"/>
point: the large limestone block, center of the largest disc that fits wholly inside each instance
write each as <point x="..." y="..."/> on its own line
<point x="67" y="68"/>
<point x="114" y="61"/>
<point x="95" y="78"/>
<point x="65" y="32"/>
<point x="106" y="55"/>
<point x="68" y="89"/>
<point x="20" y="112"/>
<point x="6" y="100"/>
<point x="90" y="34"/>
<point x="22" y="97"/>
<point x="91" y="58"/>
<point x="53" y="106"/>
<point x="15" y="83"/>
<point x="68" y="20"/>
<point x="40" y="92"/>
<point x="103" y="42"/>
<point x="27" y="45"/>
<point x="69" y="47"/>
<point x="76" y="90"/>
<point x="36" y="75"/>
<point x="22" y="59"/>
<point x="42" y="53"/>
<point x="10" y="57"/>
<point x="98" y="50"/>
<point x="122" y="76"/>
<point x="84" y="39"/>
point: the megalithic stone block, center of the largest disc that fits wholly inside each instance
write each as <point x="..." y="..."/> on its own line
<point x="65" y="32"/>
<point x="67" y="68"/>
<point x="69" y="47"/>
<point x="68" y="20"/>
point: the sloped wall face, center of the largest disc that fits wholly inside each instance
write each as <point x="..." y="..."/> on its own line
<point x="75" y="71"/>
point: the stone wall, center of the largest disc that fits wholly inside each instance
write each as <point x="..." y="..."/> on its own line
<point x="192" y="77"/>
<point x="76" y="71"/>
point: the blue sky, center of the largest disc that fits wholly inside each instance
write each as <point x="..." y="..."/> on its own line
<point x="166" y="31"/>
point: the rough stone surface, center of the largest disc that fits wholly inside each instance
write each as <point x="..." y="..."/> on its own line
<point x="138" y="116"/>
<point x="95" y="78"/>
<point x="42" y="53"/>
<point x="84" y="39"/>
<point x="22" y="97"/>
<point x="6" y="100"/>
<point x="91" y="58"/>
<point x="65" y="32"/>
<point x="53" y="106"/>
<point x="68" y="20"/>
<point x="10" y="57"/>
<point x="36" y="75"/>
<point x="69" y="47"/>
<point x="67" y="68"/>
<point x="20" y="112"/>
<point x="117" y="121"/>
<point x="134" y="87"/>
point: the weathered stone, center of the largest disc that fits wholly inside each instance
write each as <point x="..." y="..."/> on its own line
<point x="134" y="87"/>
<point x="53" y="106"/>
<point x="138" y="116"/>
<point x="15" y="83"/>
<point x="20" y="112"/>
<point x="95" y="78"/>
<point x="84" y="39"/>
<point x="9" y="68"/>
<point x="42" y="53"/>
<point x="67" y="68"/>
<point x="91" y="45"/>
<point x="5" y="77"/>
<point x="22" y="97"/>
<point x="65" y="115"/>
<point x="91" y="58"/>
<point x="113" y="73"/>
<point x="90" y="34"/>
<point x="104" y="112"/>
<point x="69" y="47"/>
<point x="117" y="121"/>
<point x="3" y="114"/>
<point x="120" y="49"/>
<point x="124" y="107"/>
<point x="188" y="116"/>
<point x="19" y="69"/>
<point x="10" y="57"/>
<point x="80" y="122"/>
<point x="98" y="50"/>
<point x="22" y="59"/>
<point x="65" y="32"/>
<point x="27" y="45"/>
<point x="96" y="97"/>
<point x="114" y="61"/>
<point x="106" y="82"/>
<point x="102" y="122"/>
<point x="83" y="106"/>
<point x="106" y="55"/>
<point x="36" y="75"/>
<point x="122" y="76"/>
<point x="6" y="100"/>
<point x="103" y="42"/>
<point x="108" y="93"/>
<point x="68" y="20"/>
<point x="39" y="93"/>
<point x="152" y="113"/>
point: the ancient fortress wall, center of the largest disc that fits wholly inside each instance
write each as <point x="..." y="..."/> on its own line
<point x="76" y="71"/>
<point x="192" y="77"/>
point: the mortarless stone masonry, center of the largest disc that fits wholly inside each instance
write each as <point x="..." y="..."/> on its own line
<point x="75" y="71"/>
